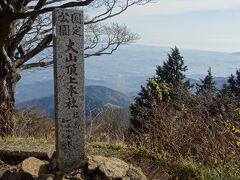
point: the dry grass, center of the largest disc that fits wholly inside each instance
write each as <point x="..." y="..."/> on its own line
<point x="173" y="144"/>
<point x="185" y="135"/>
<point x="108" y="126"/>
<point x="32" y="124"/>
<point x="181" y="143"/>
<point x="27" y="124"/>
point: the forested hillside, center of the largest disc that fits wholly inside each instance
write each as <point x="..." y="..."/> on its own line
<point x="96" y="98"/>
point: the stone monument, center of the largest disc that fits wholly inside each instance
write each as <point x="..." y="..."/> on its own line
<point x="68" y="51"/>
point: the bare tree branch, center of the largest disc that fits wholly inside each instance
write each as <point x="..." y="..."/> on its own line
<point x="26" y="27"/>
<point x="25" y="33"/>
<point x="113" y="8"/>
<point x="5" y="57"/>
<point x="36" y="65"/>
<point x="20" y="15"/>
<point x="40" y="47"/>
<point x="32" y="32"/>
<point x="105" y="39"/>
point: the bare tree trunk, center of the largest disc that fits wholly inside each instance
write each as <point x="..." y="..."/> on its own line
<point x="8" y="76"/>
<point x="6" y="108"/>
<point x="8" y="80"/>
<point x="3" y="89"/>
<point x="7" y="100"/>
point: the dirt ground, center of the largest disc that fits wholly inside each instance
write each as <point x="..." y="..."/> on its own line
<point x="13" y="152"/>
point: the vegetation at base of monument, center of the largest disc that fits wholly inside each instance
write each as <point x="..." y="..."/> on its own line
<point x="170" y="148"/>
<point x="26" y="36"/>
<point x="30" y="124"/>
<point x="109" y="125"/>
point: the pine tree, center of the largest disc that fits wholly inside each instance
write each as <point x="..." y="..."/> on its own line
<point x="207" y="84"/>
<point x="172" y="71"/>
<point x="167" y="86"/>
<point x="234" y="83"/>
<point x="225" y="91"/>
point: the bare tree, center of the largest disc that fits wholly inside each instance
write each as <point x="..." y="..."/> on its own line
<point x="25" y="32"/>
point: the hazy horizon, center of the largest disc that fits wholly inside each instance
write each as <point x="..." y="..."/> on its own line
<point x="202" y="25"/>
<point x="146" y="57"/>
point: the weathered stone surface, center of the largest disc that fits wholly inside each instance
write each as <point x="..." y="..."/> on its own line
<point x="76" y="177"/>
<point x="49" y="178"/>
<point x="34" y="166"/>
<point x="135" y="173"/>
<point x="77" y="174"/>
<point x="112" y="168"/>
<point x="69" y="88"/>
<point x="94" y="162"/>
<point x="3" y="170"/>
<point x="15" y="152"/>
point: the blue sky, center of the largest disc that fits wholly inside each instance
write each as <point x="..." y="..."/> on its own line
<point x="193" y="24"/>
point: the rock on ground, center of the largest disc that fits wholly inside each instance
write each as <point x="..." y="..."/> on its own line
<point x="34" y="166"/>
<point x="16" y="152"/>
<point x="98" y="168"/>
<point x="113" y="168"/>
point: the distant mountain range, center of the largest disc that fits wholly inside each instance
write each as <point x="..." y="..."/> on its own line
<point x="116" y="79"/>
<point x="236" y="53"/>
<point x="39" y="90"/>
<point x="130" y="66"/>
<point x="97" y="97"/>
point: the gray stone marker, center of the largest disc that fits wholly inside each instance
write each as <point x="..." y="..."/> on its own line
<point x="68" y="50"/>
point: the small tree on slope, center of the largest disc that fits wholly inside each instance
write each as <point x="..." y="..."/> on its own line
<point x="207" y="84"/>
<point x="167" y="86"/>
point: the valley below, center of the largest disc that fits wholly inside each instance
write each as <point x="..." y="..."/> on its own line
<point x="117" y="79"/>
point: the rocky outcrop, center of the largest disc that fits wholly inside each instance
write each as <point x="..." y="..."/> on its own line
<point x="16" y="152"/>
<point x="98" y="168"/>
<point x="111" y="168"/>
<point x="34" y="166"/>
<point x="29" y="169"/>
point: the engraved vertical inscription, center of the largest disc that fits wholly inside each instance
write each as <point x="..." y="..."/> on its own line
<point x="69" y="88"/>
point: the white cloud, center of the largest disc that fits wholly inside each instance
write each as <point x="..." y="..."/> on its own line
<point x="182" y="6"/>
